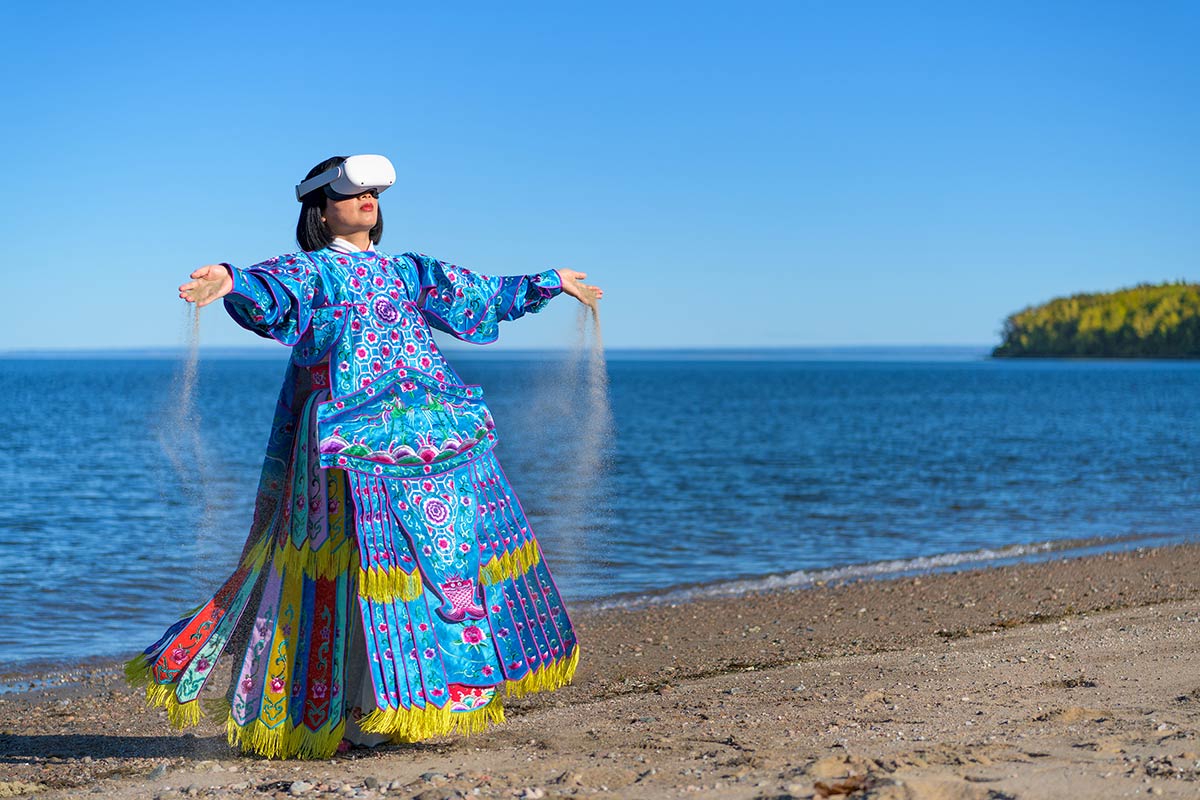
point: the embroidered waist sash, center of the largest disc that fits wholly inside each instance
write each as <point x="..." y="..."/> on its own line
<point x="405" y="425"/>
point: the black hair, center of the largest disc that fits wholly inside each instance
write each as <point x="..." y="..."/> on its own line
<point x="311" y="231"/>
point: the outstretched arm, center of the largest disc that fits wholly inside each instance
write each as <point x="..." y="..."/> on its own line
<point x="273" y="299"/>
<point x="470" y="306"/>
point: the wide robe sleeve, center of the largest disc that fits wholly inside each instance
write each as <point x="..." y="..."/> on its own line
<point x="470" y="306"/>
<point x="275" y="299"/>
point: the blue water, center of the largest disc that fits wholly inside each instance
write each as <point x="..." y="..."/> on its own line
<point x="721" y="467"/>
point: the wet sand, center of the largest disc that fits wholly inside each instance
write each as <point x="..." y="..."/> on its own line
<point x="1074" y="678"/>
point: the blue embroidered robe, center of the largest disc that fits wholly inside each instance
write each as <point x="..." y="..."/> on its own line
<point x="379" y="497"/>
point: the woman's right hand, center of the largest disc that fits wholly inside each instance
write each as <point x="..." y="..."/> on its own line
<point x="209" y="283"/>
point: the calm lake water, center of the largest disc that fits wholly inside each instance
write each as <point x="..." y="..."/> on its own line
<point x="720" y="467"/>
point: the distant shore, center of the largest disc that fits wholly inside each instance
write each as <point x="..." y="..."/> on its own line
<point x="1076" y="677"/>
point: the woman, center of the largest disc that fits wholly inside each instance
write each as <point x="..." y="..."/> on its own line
<point x="391" y="585"/>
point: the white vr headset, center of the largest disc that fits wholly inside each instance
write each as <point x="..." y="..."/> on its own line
<point x="355" y="175"/>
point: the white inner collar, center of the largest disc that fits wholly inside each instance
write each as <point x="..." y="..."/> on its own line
<point x="340" y="245"/>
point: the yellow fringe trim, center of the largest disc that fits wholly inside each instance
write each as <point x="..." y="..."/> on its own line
<point x="162" y="695"/>
<point x="324" y="562"/>
<point x="415" y="724"/>
<point x="284" y="741"/>
<point x="512" y="565"/>
<point x="383" y="586"/>
<point x="546" y="678"/>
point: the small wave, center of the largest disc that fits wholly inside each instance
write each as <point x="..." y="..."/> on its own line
<point x="880" y="570"/>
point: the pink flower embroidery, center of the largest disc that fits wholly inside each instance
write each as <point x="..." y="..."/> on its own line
<point x="472" y="634"/>
<point x="276" y="685"/>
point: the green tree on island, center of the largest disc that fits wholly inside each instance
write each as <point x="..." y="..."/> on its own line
<point x="1146" y="321"/>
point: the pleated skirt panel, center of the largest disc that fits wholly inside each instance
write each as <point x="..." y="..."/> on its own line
<point x="442" y="575"/>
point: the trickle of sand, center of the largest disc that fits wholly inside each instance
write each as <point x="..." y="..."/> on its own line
<point x="179" y="426"/>
<point x="583" y="438"/>
<point x="596" y="425"/>
<point x="568" y="423"/>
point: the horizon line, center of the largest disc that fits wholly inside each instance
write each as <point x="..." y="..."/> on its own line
<point x="268" y="351"/>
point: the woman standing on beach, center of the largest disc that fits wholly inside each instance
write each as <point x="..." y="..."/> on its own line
<point x="397" y="587"/>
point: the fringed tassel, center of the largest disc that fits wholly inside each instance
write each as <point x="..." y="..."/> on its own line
<point x="325" y="562"/>
<point x="384" y="585"/>
<point x="511" y="565"/>
<point x="415" y="724"/>
<point x="547" y="678"/>
<point x="284" y="741"/>
<point x="181" y="715"/>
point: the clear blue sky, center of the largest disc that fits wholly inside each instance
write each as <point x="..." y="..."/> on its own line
<point x="744" y="174"/>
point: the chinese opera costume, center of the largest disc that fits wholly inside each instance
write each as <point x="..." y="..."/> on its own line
<point x="390" y="586"/>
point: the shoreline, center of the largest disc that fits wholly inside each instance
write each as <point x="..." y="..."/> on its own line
<point x="1068" y="677"/>
<point x="17" y="676"/>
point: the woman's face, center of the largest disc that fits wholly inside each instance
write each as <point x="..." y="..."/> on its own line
<point x="353" y="215"/>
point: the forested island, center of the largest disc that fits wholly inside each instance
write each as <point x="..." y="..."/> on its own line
<point x="1146" y="321"/>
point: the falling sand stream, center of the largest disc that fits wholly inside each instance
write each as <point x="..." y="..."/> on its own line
<point x="570" y="431"/>
<point x="179" y="431"/>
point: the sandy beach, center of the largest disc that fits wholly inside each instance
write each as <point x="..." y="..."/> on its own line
<point x="1070" y="678"/>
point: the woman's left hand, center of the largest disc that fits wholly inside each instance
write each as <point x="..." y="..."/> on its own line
<point x="573" y="285"/>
